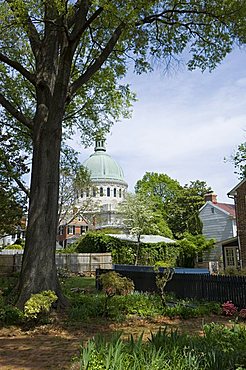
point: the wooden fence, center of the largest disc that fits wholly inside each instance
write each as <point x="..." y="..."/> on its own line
<point x="199" y="286"/>
<point x="74" y="262"/>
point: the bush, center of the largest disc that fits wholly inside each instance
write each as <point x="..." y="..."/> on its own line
<point x="122" y="251"/>
<point x="14" y="246"/>
<point x="113" y="283"/>
<point x="229" y="309"/>
<point x="10" y="315"/>
<point x="39" y="304"/>
<point x="242" y="314"/>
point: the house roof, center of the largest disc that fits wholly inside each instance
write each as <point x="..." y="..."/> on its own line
<point x="143" y="239"/>
<point x="233" y="191"/>
<point x="227" y="208"/>
<point x="230" y="208"/>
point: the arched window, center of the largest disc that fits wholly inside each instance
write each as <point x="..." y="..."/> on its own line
<point x="101" y="191"/>
<point x="94" y="192"/>
<point x="114" y="192"/>
<point x="120" y="193"/>
<point x="82" y="194"/>
<point x="108" y="192"/>
<point x="87" y="192"/>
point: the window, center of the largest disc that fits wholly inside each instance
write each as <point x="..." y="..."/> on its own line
<point x="108" y="192"/>
<point x="94" y="192"/>
<point x="82" y="229"/>
<point x="60" y="230"/>
<point x="87" y="193"/>
<point x="114" y="192"/>
<point x="120" y="193"/>
<point x="212" y="209"/>
<point x="70" y="229"/>
<point x="230" y="257"/>
<point x="82" y="194"/>
<point x="101" y="192"/>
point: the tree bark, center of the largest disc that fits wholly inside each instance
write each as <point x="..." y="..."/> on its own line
<point x="38" y="271"/>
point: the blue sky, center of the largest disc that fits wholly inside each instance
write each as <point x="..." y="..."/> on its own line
<point x="184" y="124"/>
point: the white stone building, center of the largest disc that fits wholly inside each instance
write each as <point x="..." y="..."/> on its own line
<point x="107" y="191"/>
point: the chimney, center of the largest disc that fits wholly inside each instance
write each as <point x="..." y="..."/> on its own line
<point x="211" y="197"/>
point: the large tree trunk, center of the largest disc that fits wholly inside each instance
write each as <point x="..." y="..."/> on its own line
<point x="38" y="271"/>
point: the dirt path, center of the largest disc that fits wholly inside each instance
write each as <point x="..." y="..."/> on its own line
<point x="53" y="346"/>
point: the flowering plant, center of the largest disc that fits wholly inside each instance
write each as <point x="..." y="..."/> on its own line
<point x="229" y="309"/>
<point x="242" y="313"/>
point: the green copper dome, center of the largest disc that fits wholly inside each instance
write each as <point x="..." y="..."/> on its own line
<point x="102" y="167"/>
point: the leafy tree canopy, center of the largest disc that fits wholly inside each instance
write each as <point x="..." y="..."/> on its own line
<point x="178" y="205"/>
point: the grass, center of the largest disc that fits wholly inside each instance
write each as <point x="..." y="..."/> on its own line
<point x="87" y="283"/>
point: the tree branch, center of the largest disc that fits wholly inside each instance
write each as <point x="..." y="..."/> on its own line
<point x="15" y="177"/>
<point x="15" y="113"/>
<point x="98" y="62"/>
<point x="18" y="67"/>
<point x="31" y="29"/>
<point x="76" y="35"/>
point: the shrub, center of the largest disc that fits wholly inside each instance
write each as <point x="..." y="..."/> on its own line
<point x="242" y="314"/>
<point x="13" y="246"/>
<point x="10" y="315"/>
<point x="113" y="283"/>
<point x="229" y="309"/>
<point x="39" y="304"/>
<point x="122" y="251"/>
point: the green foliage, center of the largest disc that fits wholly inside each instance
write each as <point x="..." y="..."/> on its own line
<point x="160" y="189"/>
<point x="87" y="283"/>
<point x="12" y="167"/>
<point x="10" y="315"/>
<point x="113" y="283"/>
<point x="39" y="304"/>
<point x="181" y="253"/>
<point x="178" y="205"/>
<point x="71" y="248"/>
<point x="232" y="271"/>
<point x="86" y="305"/>
<point x="138" y="215"/>
<point x="92" y="242"/>
<point x="184" y="211"/>
<point x="219" y="348"/>
<point x="14" y="246"/>
<point x="123" y="252"/>
<point x="190" y="246"/>
<point x="239" y="160"/>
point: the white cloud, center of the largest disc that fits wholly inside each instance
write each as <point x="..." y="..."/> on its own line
<point x="184" y="126"/>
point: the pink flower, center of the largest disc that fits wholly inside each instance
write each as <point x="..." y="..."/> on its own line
<point x="229" y="309"/>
